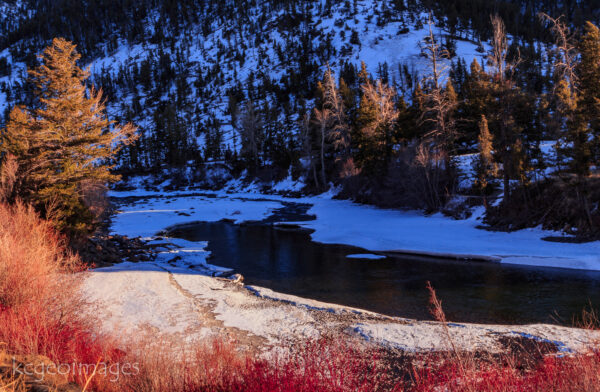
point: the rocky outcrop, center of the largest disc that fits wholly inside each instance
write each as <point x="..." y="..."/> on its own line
<point x="106" y="250"/>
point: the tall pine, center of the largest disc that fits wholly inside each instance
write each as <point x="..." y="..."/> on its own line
<point x="586" y="122"/>
<point x="485" y="166"/>
<point x="65" y="146"/>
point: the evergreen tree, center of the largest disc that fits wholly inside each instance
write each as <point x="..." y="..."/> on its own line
<point x="365" y="152"/>
<point x="65" y="145"/>
<point x="588" y="72"/>
<point x="586" y="122"/>
<point x="476" y="102"/>
<point x="485" y="167"/>
<point x="348" y="98"/>
<point x="577" y="135"/>
<point x="506" y="98"/>
<point x="451" y="101"/>
<point x="363" y="76"/>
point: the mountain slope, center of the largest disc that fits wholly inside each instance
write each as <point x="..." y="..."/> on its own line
<point x="181" y="85"/>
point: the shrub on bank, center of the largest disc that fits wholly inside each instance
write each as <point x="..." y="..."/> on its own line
<point x="32" y="257"/>
<point x="577" y="373"/>
<point x="40" y="301"/>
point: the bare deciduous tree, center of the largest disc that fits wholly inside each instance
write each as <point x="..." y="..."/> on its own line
<point x="430" y="182"/>
<point x="323" y="119"/>
<point x="307" y="146"/>
<point x="339" y="131"/>
<point x="382" y="96"/>
<point x="564" y="67"/>
<point x="438" y="102"/>
<point x="434" y="53"/>
<point x="499" y="52"/>
<point x="250" y="127"/>
<point x="565" y="88"/>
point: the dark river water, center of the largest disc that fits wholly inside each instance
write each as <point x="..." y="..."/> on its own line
<point x="289" y="262"/>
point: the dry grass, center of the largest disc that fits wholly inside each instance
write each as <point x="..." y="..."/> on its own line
<point x="9" y="383"/>
<point x="12" y="386"/>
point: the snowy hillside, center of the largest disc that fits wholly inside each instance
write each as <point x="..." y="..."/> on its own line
<point x="192" y="82"/>
<point x="222" y="89"/>
<point x="233" y="56"/>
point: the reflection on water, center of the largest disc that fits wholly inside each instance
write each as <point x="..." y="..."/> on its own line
<point x="289" y="262"/>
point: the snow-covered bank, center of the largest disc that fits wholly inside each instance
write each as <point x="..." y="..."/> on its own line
<point x="347" y="223"/>
<point x="344" y="222"/>
<point x="184" y="305"/>
<point x="145" y="218"/>
<point x="175" y="296"/>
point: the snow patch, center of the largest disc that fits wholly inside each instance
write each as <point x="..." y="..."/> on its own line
<point x="366" y="256"/>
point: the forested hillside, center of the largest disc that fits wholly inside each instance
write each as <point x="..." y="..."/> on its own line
<point x="381" y="97"/>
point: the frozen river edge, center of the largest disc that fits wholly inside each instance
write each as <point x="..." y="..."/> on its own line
<point x="166" y="297"/>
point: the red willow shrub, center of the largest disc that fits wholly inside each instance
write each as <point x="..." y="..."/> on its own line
<point x="459" y="371"/>
<point x="331" y="365"/>
<point x="577" y="373"/>
<point x="324" y="365"/>
<point x="32" y="261"/>
<point x="328" y="365"/>
<point x="40" y="300"/>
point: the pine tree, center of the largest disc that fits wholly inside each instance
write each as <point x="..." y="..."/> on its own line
<point x="588" y="72"/>
<point x="577" y="131"/>
<point x="363" y="75"/>
<point x="451" y="92"/>
<point x="506" y="97"/>
<point x="477" y="97"/>
<point x="451" y="102"/>
<point x="18" y="135"/>
<point x="64" y="146"/>
<point x="348" y="97"/>
<point x="586" y="121"/>
<point x="485" y="166"/>
<point x="365" y="151"/>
